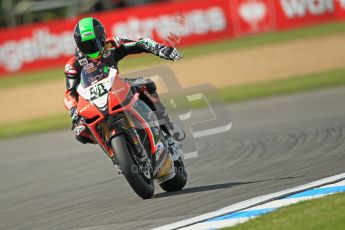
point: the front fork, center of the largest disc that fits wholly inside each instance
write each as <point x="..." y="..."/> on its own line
<point x="160" y="160"/>
<point x="126" y="125"/>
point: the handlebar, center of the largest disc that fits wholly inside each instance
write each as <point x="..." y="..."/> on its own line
<point x="76" y="122"/>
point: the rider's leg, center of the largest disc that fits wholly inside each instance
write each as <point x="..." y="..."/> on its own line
<point x="156" y="105"/>
<point x="148" y="93"/>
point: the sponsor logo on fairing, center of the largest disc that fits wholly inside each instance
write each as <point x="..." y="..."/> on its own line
<point x="85" y="108"/>
<point x="119" y="90"/>
<point x="159" y="150"/>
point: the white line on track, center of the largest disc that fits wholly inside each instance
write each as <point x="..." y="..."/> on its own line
<point x="252" y="203"/>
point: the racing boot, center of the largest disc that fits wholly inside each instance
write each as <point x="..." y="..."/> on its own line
<point x="149" y="89"/>
<point x="175" y="131"/>
<point x="83" y="135"/>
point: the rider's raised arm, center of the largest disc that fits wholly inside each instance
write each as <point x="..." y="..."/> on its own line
<point x="125" y="47"/>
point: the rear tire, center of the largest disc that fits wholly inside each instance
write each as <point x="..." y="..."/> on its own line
<point x="141" y="185"/>
<point x="179" y="180"/>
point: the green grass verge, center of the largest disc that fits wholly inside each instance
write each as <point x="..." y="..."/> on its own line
<point x="37" y="125"/>
<point x="232" y="94"/>
<point x="31" y="78"/>
<point x="323" y="213"/>
<point x="189" y="52"/>
<point x="284" y="86"/>
<point x="228" y="94"/>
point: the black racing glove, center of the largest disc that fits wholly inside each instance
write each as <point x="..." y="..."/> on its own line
<point x="169" y="53"/>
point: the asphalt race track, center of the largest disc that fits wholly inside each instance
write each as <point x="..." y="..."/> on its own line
<point x="49" y="181"/>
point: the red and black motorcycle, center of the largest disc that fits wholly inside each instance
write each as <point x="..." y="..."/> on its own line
<point x="128" y="131"/>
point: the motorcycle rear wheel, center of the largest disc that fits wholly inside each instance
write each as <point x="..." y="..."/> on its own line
<point x="179" y="180"/>
<point x="141" y="185"/>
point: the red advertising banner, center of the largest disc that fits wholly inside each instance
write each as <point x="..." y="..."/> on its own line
<point x="252" y="16"/>
<point x="50" y="44"/>
<point x="340" y="9"/>
<point x="295" y="13"/>
<point x="44" y="45"/>
<point x="36" y="46"/>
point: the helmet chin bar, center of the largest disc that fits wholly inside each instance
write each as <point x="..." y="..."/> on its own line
<point x="99" y="55"/>
<point x="95" y="58"/>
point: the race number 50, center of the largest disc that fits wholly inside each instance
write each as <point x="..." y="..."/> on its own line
<point x="97" y="91"/>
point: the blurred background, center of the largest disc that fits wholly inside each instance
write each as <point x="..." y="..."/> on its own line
<point x="20" y="12"/>
<point x="261" y="56"/>
<point x="246" y="48"/>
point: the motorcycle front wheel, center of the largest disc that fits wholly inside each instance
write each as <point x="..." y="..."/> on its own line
<point x="141" y="182"/>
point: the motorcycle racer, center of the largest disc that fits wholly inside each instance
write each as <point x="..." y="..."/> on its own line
<point x="93" y="47"/>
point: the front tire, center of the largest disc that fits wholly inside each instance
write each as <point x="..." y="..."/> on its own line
<point x="142" y="186"/>
<point x="179" y="180"/>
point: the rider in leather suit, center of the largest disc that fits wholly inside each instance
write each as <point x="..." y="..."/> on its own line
<point x="92" y="46"/>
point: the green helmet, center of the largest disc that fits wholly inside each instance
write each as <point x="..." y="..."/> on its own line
<point x="89" y="35"/>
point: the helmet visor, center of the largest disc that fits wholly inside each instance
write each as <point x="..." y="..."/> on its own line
<point x="91" y="46"/>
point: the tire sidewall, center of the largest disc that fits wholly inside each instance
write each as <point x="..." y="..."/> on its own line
<point x="130" y="169"/>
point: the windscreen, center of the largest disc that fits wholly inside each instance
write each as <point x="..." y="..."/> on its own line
<point x="93" y="72"/>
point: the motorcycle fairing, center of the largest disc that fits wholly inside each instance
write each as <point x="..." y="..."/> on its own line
<point x="87" y="109"/>
<point x="118" y="93"/>
<point x="97" y="93"/>
<point x="111" y="92"/>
